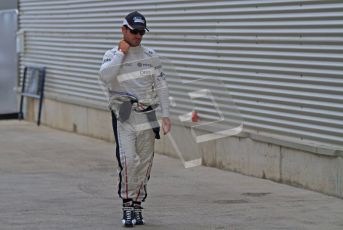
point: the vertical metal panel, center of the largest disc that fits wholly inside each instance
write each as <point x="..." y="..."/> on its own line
<point x="8" y="61"/>
<point x="281" y="60"/>
<point x="8" y="4"/>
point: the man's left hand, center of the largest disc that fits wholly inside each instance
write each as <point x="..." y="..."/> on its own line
<point x="166" y="125"/>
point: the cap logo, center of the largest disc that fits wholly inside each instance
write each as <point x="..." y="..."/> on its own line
<point x="138" y="20"/>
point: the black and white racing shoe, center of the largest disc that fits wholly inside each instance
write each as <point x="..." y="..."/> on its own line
<point x="128" y="215"/>
<point x="138" y="214"/>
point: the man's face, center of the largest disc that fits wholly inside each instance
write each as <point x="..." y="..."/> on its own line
<point x="133" y="37"/>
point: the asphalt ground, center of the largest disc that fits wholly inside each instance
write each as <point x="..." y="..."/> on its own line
<point x="52" y="180"/>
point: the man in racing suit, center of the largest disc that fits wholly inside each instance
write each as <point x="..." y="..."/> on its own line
<point x="135" y="85"/>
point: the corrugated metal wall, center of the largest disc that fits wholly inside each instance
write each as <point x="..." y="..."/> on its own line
<point x="281" y="60"/>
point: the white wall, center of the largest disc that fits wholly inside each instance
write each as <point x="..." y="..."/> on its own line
<point x="280" y="60"/>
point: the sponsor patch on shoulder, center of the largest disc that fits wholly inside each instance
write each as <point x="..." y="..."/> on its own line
<point x="106" y="60"/>
<point x="149" y="52"/>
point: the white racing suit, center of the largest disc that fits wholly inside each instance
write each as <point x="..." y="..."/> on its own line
<point x="137" y="73"/>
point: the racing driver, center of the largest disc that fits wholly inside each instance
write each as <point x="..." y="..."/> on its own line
<point x="132" y="78"/>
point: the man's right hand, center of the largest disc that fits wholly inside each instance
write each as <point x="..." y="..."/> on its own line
<point x="123" y="46"/>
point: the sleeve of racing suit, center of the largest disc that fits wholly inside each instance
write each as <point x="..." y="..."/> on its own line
<point x="110" y="66"/>
<point x="162" y="90"/>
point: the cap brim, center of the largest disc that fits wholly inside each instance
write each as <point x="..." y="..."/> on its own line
<point x="140" y="28"/>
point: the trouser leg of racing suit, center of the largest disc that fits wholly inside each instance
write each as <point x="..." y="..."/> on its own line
<point x="134" y="153"/>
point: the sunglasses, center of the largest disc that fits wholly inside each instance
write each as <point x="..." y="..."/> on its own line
<point x="135" y="31"/>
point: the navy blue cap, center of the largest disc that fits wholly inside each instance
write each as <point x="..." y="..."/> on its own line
<point x="135" y="20"/>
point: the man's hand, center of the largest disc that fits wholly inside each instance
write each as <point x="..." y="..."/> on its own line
<point x="123" y="46"/>
<point x="166" y="125"/>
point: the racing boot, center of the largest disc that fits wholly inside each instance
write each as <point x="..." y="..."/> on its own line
<point x="128" y="214"/>
<point x="138" y="213"/>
